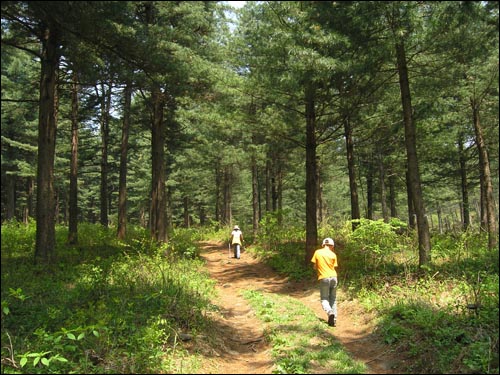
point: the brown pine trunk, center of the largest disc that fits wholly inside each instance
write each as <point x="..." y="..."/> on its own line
<point x="268" y="182"/>
<point x="122" y="189"/>
<point x="47" y="125"/>
<point x="157" y="217"/>
<point x="353" y="186"/>
<point x="392" y="192"/>
<point x="424" y="243"/>
<point x="311" y="175"/>
<point x="465" y="190"/>
<point x="105" y="108"/>
<point x="485" y="175"/>
<point x="255" y="197"/>
<point x="369" y="192"/>
<point x="383" y="192"/>
<point x="73" y="174"/>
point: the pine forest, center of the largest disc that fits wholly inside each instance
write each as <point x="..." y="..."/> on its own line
<point x="134" y="132"/>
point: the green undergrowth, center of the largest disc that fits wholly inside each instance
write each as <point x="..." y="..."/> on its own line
<point x="110" y="306"/>
<point x="443" y="318"/>
<point x="106" y="306"/>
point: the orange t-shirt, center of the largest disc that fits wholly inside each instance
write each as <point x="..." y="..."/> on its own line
<point x="325" y="261"/>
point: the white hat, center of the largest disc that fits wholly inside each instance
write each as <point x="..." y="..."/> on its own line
<point x="328" y="241"/>
<point x="236" y="227"/>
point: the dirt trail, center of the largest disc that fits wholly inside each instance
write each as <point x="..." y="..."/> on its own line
<point x="242" y="348"/>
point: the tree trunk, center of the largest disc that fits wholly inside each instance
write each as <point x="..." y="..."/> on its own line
<point x="369" y="192"/>
<point x="157" y="217"/>
<point x="383" y="193"/>
<point x="485" y="174"/>
<point x="353" y="186"/>
<point x="392" y="192"/>
<point x="122" y="189"/>
<point x="47" y="125"/>
<point x="424" y="243"/>
<point x="255" y="197"/>
<point x="218" y="189"/>
<point x="105" y="108"/>
<point x="268" y="182"/>
<point x="311" y="183"/>
<point x="73" y="174"/>
<point x="465" y="191"/>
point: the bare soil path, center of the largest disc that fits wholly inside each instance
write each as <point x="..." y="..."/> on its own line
<point x="242" y="348"/>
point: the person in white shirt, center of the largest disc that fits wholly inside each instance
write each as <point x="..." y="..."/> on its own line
<point x="236" y="241"/>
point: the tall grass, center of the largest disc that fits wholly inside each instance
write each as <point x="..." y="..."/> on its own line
<point x="106" y="306"/>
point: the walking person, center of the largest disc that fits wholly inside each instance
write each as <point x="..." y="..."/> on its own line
<point x="325" y="262"/>
<point x="236" y="241"/>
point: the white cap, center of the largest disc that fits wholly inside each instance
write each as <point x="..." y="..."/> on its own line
<point x="328" y="241"/>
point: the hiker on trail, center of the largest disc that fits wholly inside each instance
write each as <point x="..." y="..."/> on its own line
<point x="325" y="261"/>
<point x="236" y="241"/>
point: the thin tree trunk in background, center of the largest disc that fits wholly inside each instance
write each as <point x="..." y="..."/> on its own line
<point x="280" y="193"/>
<point x="311" y="175"/>
<point x="255" y="197"/>
<point x="383" y="193"/>
<point x="73" y="174"/>
<point x="353" y="186"/>
<point x="105" y="108"/>
<point x="268" y="183"/>
<point x="369" y="192"/>
<point x="485" y="174"/>
<point x="227" y="202"/>
<point x="122" y="188"/>
<point x="424" y="243"/>
<point x="392" y="192"/>
<point x="465" y="191"/>
<point x="47" y="125"/>
<point x="218" y="192"/>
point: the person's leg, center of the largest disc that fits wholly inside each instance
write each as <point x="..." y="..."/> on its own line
<point x="238" y="251"/>
<point x="324" y="294"/>
<point x="333" y="295"/>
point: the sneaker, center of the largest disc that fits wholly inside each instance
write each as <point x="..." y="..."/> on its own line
<point x="332" y="322"/>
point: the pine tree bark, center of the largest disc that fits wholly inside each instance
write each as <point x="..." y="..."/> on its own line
<point x="157" y="216"/>
<point x="485" y="175"/>
<point x="47" y="125"/>
<point x="73" y="174"/>
<point x="424" y="243"/>
<point x="105" y="108"/>
<point x="311" y="175"/>
<point x="122" y="188"/>
<point x="353" y="186"/>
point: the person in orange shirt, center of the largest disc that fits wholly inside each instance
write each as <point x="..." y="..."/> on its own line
<point x="325" y="262"/>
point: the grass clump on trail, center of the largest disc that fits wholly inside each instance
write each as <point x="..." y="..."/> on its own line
<point x="301" y="343"/>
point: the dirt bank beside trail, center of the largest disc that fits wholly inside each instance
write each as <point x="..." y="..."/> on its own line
<point x="242" y="348"/>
